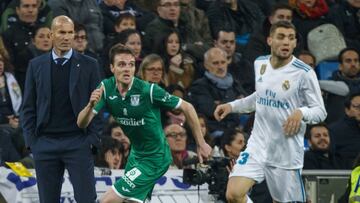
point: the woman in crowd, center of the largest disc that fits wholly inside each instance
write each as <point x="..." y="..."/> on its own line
<point x="152" y="69"/>
<point x="111" y="154"/>
<point x="40" y="43"/>
<point x="178" y="65"/>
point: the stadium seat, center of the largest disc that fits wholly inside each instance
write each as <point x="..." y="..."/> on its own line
<point x="325" y="69"/>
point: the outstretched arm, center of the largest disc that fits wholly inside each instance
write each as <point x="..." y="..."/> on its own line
<point x="244" y="105"/>
<point x="87" y="114"/>
<point x="203" y="149"/>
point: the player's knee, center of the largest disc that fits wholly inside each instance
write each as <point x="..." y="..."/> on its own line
<point x="235" y="196"/>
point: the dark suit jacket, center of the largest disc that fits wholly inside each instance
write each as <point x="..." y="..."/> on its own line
<point x="84" y="78"/>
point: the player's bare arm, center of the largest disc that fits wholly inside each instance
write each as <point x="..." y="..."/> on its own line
<point x="293" y="123"/>
<point x="86" y="115"/>
<point x="203" y="149"/>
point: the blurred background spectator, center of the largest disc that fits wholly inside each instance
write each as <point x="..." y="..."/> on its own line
<point x="110" y="154"/>
<point x="320" y="155"/>
<point x="152" y="69"/>
<point x="176" y="137"/>
<point x="40" y="44"/>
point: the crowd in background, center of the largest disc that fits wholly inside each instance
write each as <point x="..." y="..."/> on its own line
<point x="171" y="39"/>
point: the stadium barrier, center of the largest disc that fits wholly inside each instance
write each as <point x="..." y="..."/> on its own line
<point x="322" y="186"/>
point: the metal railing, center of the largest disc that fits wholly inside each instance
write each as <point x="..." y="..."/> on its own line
<point x="325" y="186"/>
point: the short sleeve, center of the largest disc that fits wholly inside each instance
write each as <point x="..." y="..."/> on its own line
<point x="159" y="97"/>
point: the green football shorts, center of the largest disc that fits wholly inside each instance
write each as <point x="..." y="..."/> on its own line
<point x="139" y="178"/>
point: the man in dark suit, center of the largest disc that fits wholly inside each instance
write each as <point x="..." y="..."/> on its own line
<point x="58" y="85"/>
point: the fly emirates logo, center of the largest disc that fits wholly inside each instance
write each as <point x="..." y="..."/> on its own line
<point x="271" y="101"/>
<point x="130" y="121"/>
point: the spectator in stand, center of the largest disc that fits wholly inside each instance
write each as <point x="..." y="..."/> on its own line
<point x="242" y="16"/>
<point x="174" y="116"/>
<point x="125" y="21"/>
<point x="18" y="36"/>
<point x="205" y="130"/>
<point x="40" y="44"/>
<point x="339" y="88"/>
<point x="178" y="65"/>
<point x="258" y="46"/>
<point x="349" y="72"/>
<point x="346" y="16"/>
<point x="346" y="131"/>
<point x="10" y="97"/>
<point x="308" y="58"/>
<point x="217" y="86"/>
<point x="177" y="137"/>
<point x="320" y="155"/>
<point x="197" y="20"/>
<point x="84" y="12"/>
<point x="115" y="131"/>
<point x="111" y="154"/>
<point x="233" y="142"/>
<point x="168" y="20"/>
<point x="225" y="39"/>
<point x="10" y="15"/>
<point x="152" y="69"/>
<point x="308" y="15"/>
<point x="80" y="43"/>
<point x="113" y="9"/>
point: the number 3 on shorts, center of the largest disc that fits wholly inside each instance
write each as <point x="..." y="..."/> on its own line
<point x="243" y="158"/>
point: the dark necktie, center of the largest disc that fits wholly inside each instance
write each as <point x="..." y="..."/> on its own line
<point x="60" y="61"/>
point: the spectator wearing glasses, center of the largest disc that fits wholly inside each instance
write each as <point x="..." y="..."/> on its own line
<point x="177" y="139"/>
<point x="152" y="70"/>
<point x="346" y="131"/>
<point x="80" y="43"/>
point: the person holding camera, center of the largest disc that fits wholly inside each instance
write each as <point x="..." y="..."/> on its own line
<point x="287" y="97"/>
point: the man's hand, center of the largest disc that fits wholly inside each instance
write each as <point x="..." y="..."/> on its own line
<point x="96" y="96"/>
<point x="203" y="152"/>
<point x="292" y="123"/>
<point x="221" y="111"/>
<point x="13" y="121"/>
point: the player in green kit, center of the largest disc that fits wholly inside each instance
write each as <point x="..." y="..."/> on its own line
<point x="135" y="105"/>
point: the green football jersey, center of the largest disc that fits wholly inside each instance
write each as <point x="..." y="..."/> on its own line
<point x="138" y="113"/>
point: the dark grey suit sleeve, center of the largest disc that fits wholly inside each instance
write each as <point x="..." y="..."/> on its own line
<point x="28" y="112"/>
<point x="95" y="127"/>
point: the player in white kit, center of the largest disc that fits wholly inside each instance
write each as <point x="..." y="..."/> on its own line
<point x="287" y="97"/>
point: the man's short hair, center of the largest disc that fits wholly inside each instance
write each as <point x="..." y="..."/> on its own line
<point x="281" y="24"/>
<point x="79" y="27"/>
<point x="349" y="98"/>
<point x="306" y="52"/>
<point x="343" y="51"/>
<point x="310" y="127"/>
<point x="123" y="36"/>
<point x="119" y="49"/>
<point x="123" y="16"/>
<point x="225" y="29"/>
<point x="280" y="6"/>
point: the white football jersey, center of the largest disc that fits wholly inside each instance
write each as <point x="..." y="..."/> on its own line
<point x="278" y="93"/>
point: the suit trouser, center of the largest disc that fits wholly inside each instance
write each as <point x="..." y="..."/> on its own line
<point x="52" y="156"/>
